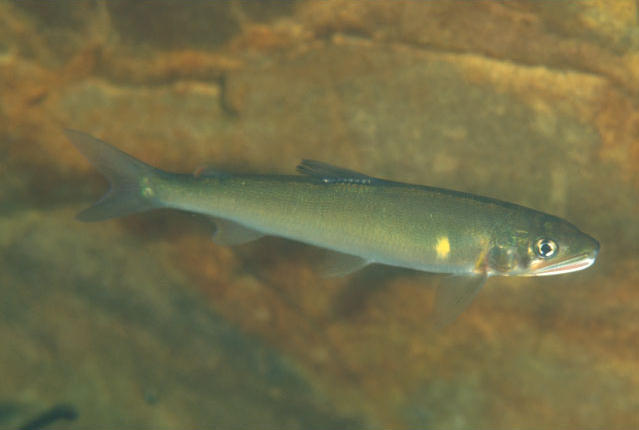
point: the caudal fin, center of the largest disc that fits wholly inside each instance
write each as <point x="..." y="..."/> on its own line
<point x="131" y="180"/>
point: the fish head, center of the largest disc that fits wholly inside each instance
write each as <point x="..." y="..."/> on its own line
<point x="546" y="246"/>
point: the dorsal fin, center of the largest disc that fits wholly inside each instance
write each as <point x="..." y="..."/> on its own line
<point x="332" y="174"/>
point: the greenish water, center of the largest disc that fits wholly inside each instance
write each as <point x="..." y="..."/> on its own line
<point x="143" y="322"/>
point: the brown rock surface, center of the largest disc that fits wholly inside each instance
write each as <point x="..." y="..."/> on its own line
<point x="144" y="322"/>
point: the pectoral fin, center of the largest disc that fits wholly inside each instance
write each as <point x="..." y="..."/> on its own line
<point x="231" y="233"/>
<point x="453" y="297"/>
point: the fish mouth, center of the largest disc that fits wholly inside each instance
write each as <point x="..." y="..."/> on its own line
<point x="580" y="262"/>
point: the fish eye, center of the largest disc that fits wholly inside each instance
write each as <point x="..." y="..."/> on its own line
<point x="546" y="248"/>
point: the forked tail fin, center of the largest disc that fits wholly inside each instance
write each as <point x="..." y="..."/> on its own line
<point x="131" y="180"/>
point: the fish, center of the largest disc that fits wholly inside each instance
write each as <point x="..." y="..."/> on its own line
<point x="50" y="416"/>
<point x="360" y="219"/>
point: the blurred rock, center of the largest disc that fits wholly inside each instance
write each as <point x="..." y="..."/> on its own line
<point x="144" y="322"/>
<point x="126" y="344"/>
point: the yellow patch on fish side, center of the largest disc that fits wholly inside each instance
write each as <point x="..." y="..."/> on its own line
<point x="442" y="247"/>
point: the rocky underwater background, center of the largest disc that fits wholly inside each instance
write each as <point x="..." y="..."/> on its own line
<point x="143" y="322"/>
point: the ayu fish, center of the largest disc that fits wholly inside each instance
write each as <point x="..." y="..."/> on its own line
<point x="362" y="219"/>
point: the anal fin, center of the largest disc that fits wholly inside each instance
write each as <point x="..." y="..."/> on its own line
<point x="231" y="233"/>
<point x="453" y="297"/>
